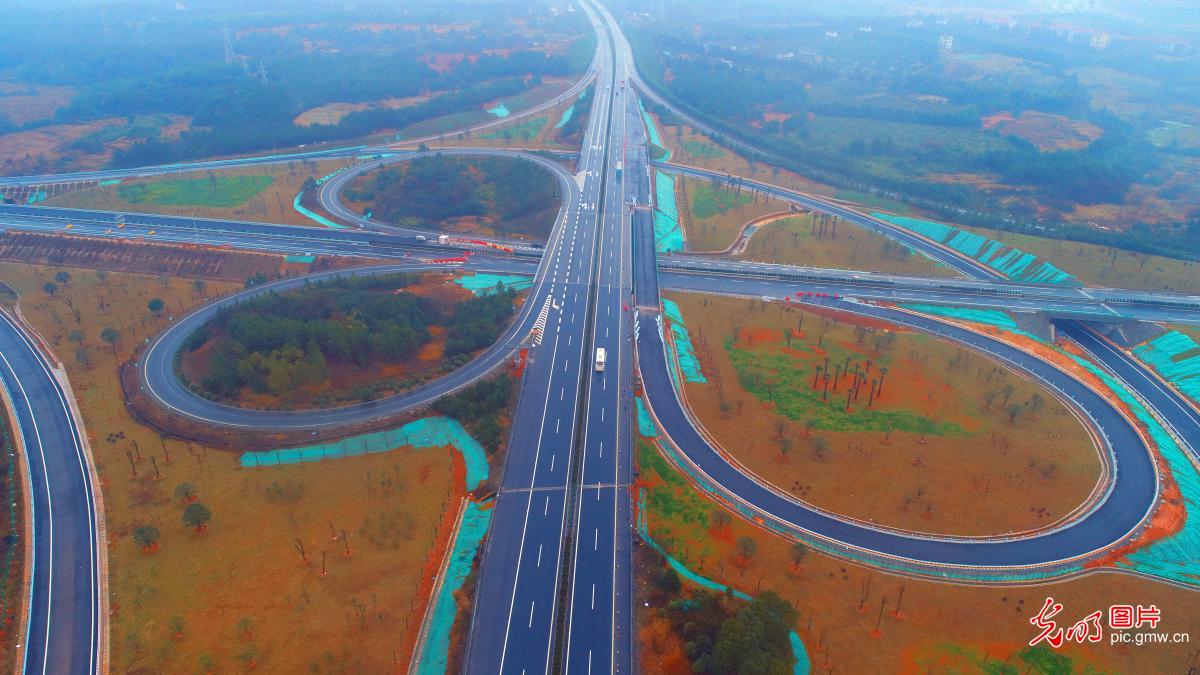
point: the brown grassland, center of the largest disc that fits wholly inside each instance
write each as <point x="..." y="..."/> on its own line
<point x="925" y="626"/>
<point x="801" y="240"/>
<point x="237" y="596"/>
<point x="947" y="428"/>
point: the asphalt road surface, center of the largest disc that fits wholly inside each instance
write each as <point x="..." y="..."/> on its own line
<point x="62" y="635"/>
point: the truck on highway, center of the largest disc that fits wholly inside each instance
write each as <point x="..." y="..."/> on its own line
<point x="620" y="165"/>
<point x="443" y="240"/>
<point x="601" y="355"/>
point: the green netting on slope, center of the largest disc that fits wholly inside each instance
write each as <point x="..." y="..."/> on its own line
<point x="967" y="242"/>
<point x="992" y="249"/>
<point x="429" y="432"/>
<point x="1176" y="557"/>
<point x="1012" y="263"/>
<point x="435" y="651"/>
<point x="566" y="117"/>
<point x="1163" y="354"/>
<point x="315" y="217"/>
<point x="645" y="423"/>
<point x="991" y="317"/>
<point x="926" y="228"/>
<point x="299" y="258"/>
<point x="686" y="352"/>
<point x="486" y="284"/>
<point x="668" y="236"/>
<point x="113" y="181"/>
<point x="499" y="111"/>
<point x="652" y="131"/>
<point x="1014" y="269"/>
<point x="802" y="666"/>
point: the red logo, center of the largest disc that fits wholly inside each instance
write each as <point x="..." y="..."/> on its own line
<point x="1089" y="628"/>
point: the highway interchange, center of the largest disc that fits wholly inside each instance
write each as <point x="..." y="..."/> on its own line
<point x="555" y="587"/>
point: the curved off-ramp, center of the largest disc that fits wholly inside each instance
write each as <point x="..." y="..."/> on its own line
<point x="1131" y="496"/>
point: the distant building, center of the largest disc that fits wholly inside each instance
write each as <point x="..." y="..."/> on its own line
<point x="946" y="42"/>
<point x="831" y="33"/>
<point x="1099" y="41"/>
<point x="865" y="29"/>
<point x="915" y="23"/>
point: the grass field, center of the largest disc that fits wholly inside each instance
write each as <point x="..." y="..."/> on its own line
<point x="256" y="193"/>
<point x="947" y="427"/>
<point x="925" y="626"/>
<point x="218" y="191"/>
<point x="237" y="596"/>
<point x="716" y="213"/>
<point x="795" y="240"/>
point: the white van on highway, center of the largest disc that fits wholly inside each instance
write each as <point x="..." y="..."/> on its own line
<point x="601" y="355"/>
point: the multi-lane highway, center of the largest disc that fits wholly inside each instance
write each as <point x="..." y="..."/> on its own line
<point x="518" y="604"/>
<point x="555" y="589"/>
<point x="65" y="604"/>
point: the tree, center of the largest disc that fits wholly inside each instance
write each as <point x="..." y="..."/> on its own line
<point x="799" y="550"/>
<point x="63" y="277"/>
<point x="756" y="640"/>
<point x="668" y="581"/>
<point x="156" y="305"/>
<point x="747" y="547"/>
<point x="50" y="288"/>
<point x="111" y="336"/>
<point x="185" y="492"/>
<point x="197" y="516"/>
<point x="1014" y="411"/>
<point x="75" y="336"/>
<point x="720" y="518"/>
<point x="1036" y="403"/>
<point x="820" y="447"/>
<point x="198" y="287"/>
<point x="1006" y="391"/>
<point x="82" y="357"/>
<point x="176" y="624"/>
<point x="146" y="536"/>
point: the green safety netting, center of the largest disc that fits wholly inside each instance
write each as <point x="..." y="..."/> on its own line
<point x="645" y="422"/>
<point x="486" y="284"/>
<point x="499" y="111"/>
<point x="967" y="242"/>
<point x="429" y="432"/>
<point x="297" y="258"/>
<point x="315" y="217"/>
<point x="1176" y="357"/>
<point x="991" y="317"/>
<point x="802" y="666"/>
<point x="1012" y="263"/>
<point x="685" y="352"/>
<point x="435" y="650"/>
<point x="668" y="236"/>
<point x="652" y="131"/>
<point x="566" y="117"/>
<point x="992" y="249"/>
<point x="926" y="228"/>
<point x="1176" y="557"/>
<point x="114" y="181"/>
